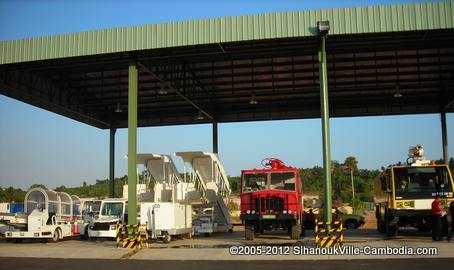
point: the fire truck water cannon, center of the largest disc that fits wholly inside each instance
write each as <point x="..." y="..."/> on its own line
<point x="273" y="163"/>
<point x="416" y="156"/>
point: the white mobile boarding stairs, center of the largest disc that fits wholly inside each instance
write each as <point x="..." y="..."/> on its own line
<point x="168" y="184"/>
<point x="211" y="213"/>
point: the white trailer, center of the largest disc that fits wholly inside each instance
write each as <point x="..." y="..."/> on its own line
<point x="112" y="212"/>
<point x="167" y="219"/>
<point x="49" y="216"/>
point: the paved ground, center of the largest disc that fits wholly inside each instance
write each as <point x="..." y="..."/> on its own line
<point x="217" y="247"/>
<point x="73" y="264"/>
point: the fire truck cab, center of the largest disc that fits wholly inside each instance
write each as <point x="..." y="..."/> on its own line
<point x="272" y="199"/>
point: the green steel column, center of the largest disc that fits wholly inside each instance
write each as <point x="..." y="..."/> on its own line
<point x="215" y="137"/>
<point x="325" y="126"/>
<point x="112" y="163"/>
<point x="132" y="143"/>
<point x="444" y="137"/>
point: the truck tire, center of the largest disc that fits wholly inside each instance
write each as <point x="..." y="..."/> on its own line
<point x="248" y="233"/>
<point x="381" y="227"/>
<point x="295" y="232"/>
<point x="391" y="230"/>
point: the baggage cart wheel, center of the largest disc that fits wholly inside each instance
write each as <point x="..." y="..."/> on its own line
<point x="56" y="235"/>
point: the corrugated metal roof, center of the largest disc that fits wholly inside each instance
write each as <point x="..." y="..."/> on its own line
<point x="358" y="20"/>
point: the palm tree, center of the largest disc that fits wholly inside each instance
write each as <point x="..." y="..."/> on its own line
<point x="351" y="164"/>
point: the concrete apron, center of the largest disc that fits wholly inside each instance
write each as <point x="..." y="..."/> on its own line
<point x="93" y="250"/>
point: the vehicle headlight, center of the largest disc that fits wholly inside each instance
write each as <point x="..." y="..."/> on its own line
<point x="253" y="211"/>
<point x="289" y="211"/>
<point x="248" y="211"/>
<point x="285" y="211"/>
<point x="113" y="227"/>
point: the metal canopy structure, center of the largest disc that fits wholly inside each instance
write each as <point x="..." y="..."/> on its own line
<point x="381" y="60"/>
<point x="365" y="72"/>
<point x="217" y="65"/>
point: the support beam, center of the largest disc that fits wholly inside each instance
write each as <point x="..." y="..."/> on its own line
<point x="444" y="137"/>
<point x="112" y="163"/>
<point x="132" y="143"/>
<point x="215" y="137"/>
<point x="178" y="92"/>
<point x="325" y="127"/>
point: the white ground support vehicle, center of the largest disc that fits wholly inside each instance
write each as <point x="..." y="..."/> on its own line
<point x="49" y="214"/>
<point x="112" y="212"/>
<point x="89" y="209"/>
<point x="211" y="213"/>
<point x="170" y="213"/>
<point x="10" y="217"/>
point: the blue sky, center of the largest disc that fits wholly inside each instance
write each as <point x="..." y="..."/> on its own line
<point x="37" y="146"/>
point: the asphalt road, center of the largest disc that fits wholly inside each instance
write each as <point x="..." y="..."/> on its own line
<point x="77" y="264"/>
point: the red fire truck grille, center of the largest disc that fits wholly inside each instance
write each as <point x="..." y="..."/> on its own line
<point x="269" y="203"/>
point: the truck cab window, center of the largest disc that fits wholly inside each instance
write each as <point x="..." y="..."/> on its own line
<point x="283" y="181"/>
<point x="420" y="182"/>
<point x="254" y="182"/>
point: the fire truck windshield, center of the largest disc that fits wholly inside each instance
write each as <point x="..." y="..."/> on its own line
<point x="422" y="182"/>
<point x="283" y="181"/>
<point x="254" y="181"/>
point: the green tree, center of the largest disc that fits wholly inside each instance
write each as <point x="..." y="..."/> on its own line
<point x="351" y="163"/>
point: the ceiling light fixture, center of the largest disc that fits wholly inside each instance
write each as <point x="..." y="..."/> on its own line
<point x="397" y="94"/>
<point x="199" y="116"/>
<point x="163" y="90"/>
<point x="118" y="108"/>
<point x="253" y="101"/>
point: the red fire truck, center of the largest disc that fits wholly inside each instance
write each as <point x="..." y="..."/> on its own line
<point x="272" y="199"/>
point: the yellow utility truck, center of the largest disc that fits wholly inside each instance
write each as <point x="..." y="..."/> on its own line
<point x="403" y="193"/>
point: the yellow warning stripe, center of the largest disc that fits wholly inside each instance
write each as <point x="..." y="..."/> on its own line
<point x="324" y="237"/>
<point x="129" y="236"/>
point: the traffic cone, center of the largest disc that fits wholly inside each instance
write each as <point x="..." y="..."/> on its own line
<point x="76" y="227"/>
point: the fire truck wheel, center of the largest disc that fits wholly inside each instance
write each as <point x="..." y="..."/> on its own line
<point x="296" y="231"/>
<point x="248" y="233"/>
